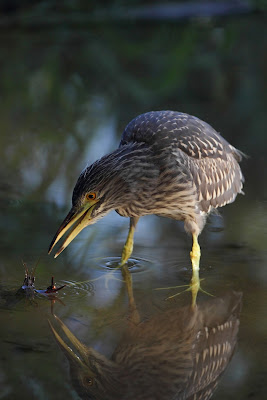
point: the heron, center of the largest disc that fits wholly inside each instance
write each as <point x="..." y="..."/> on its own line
<point x="168" y="163"/>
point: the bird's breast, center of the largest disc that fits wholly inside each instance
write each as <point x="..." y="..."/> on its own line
<point x="130" y="212"/>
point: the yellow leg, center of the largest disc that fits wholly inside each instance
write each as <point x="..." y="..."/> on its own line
<point x="128" y="247"/>
<point x="194" y="286"/>
<point x="195" y="257"/>
<point x="134" y="315"/>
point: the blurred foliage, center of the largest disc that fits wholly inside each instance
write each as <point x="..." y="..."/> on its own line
<point x="63" y="82"/>
<point x="59" y="85"/>
<point x="28" y="7"/>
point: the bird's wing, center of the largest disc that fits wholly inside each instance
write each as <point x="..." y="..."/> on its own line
<point x="193" y="136"/>
<point x="218" y="181"/>
<point x="212" y="161"/>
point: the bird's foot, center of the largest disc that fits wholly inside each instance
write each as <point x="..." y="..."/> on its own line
<point x="108" y="277"/>
<point x="194" y="287"/>
<point x="111" y="275"/>
<point x="123" y="267"/>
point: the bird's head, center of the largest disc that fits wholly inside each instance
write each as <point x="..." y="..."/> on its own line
<point x="98" y="190"/>
<point x="113" y="182"/>
<point x="93" y="375"/>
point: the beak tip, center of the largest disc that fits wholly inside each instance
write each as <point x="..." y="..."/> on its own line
<point x="71" y="219"/>
<point x="50" y="248"/>
<point x="59" y="251"/>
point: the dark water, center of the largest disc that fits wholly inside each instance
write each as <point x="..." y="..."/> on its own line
<point x="66" y="91"/>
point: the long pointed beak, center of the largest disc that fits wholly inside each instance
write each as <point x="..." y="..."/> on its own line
<point x="82" y="351"/>
<point x="78" y="220"/>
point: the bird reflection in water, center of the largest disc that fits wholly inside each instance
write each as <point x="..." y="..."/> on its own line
<point x="179" y="353"/>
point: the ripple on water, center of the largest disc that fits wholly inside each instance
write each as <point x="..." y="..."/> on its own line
<point x="76" y="289"/>
<point x="135" y="265"/>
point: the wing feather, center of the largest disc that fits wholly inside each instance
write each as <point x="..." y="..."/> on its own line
<point x="218" y="181"/>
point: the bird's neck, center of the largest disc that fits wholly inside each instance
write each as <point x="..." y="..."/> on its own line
<point x="139" y="177"/>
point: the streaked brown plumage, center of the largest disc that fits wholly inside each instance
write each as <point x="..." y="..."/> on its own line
<point x="176" y="354"/>
<point x="197" y="169"/>
<point x="168" y="163"/>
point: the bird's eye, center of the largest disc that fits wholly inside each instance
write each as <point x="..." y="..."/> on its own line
<point x="87" y="381"/>
<point x="91" y="196"/>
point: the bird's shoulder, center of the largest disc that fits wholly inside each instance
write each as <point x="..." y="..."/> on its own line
<point x="177" y="130"/>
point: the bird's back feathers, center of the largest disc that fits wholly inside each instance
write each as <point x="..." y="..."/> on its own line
<point x="212" y="161"/>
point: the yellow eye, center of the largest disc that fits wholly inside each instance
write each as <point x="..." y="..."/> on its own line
<point x="91" y="196"/>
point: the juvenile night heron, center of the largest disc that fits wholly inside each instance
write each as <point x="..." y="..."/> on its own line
<point x="168" y="163"/>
